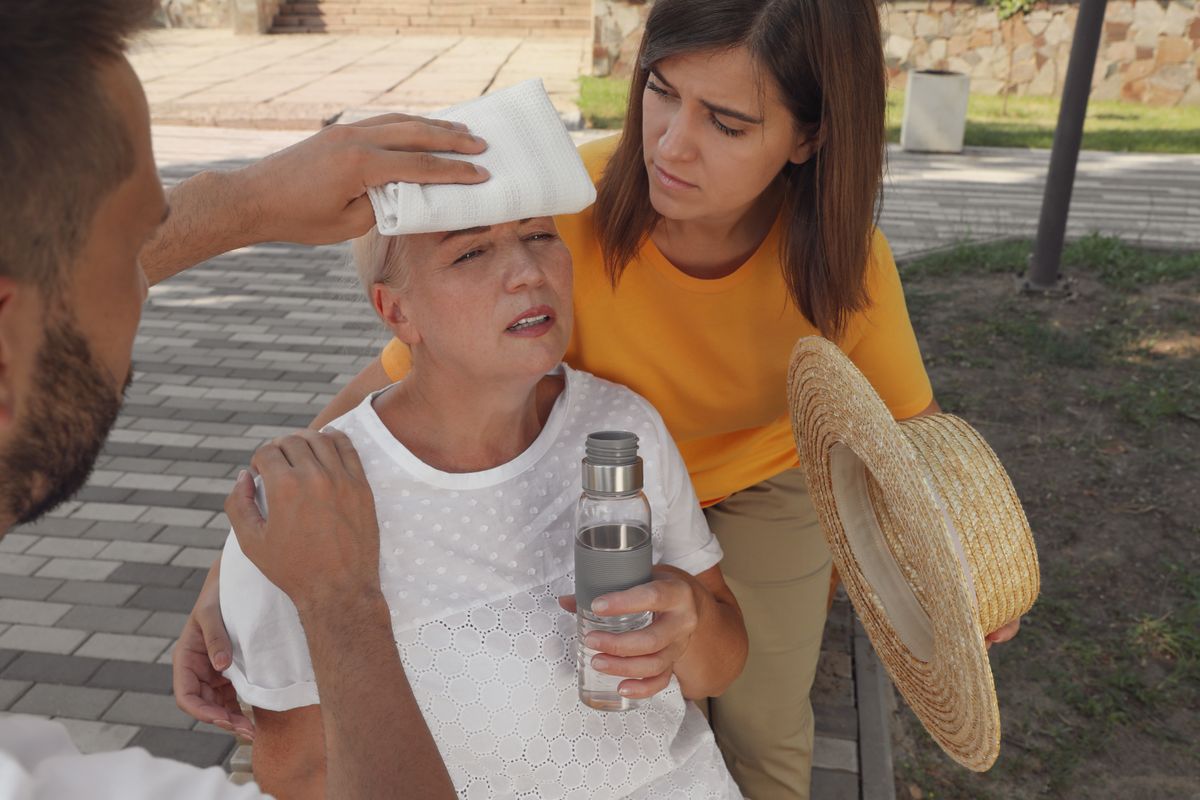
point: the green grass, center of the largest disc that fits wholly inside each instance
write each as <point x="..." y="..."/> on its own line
<point x="602" y="101"/>
<point x="1029" y="122"/>
<point x="1119" y="264"/>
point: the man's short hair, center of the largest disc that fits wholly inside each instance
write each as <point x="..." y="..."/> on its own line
<point x="63" y="146"/>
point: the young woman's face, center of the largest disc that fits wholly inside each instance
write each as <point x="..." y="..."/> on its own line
<point x="715" y="134"/>
<point x="491" y="303"/>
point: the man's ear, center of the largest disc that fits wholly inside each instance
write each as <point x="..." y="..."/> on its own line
<point x="391" y="306"/>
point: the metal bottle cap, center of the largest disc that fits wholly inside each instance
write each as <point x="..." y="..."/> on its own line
<point x="611" y="464"/>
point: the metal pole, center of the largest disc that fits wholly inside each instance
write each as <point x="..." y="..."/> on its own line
<point x="1052" y="225"/>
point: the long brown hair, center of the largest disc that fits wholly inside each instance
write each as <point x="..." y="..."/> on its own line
<point x="827" y="58"/>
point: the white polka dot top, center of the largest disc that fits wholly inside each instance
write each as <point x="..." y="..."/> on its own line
<point x="471" y="566"/>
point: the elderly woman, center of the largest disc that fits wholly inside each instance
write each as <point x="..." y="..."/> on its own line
<point x="474" y="462"/>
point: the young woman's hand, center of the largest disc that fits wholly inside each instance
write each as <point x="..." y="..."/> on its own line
<point x="202" y="652"/>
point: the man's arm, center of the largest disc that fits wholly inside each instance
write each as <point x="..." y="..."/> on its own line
<point x="321" y="547"/>
<point x="313" y="192"/>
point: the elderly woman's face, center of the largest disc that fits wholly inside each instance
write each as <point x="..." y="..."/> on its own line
<point x="491" y="302"/>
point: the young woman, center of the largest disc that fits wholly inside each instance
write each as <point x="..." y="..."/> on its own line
<point x="736" y="213"/>
<point x="473" y="460"/>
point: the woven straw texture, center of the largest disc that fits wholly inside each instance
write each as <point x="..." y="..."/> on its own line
<point x="936" y="490"/>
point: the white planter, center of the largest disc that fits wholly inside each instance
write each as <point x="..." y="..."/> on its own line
<point x="935" y="111"/>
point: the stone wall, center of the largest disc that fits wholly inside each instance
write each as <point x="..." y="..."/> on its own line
<point x="619" y="26"/>
<point x="196" y="13"/>
<point x="243" y="16"/>
<point x="1150" y="52"/>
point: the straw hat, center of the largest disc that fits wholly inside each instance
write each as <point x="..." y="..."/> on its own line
<point x="928" y="536"/>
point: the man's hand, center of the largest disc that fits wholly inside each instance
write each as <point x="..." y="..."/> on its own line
<point x="320" y="542"/>
<point x="314" y="192"/>
<point x="647" y="656"/>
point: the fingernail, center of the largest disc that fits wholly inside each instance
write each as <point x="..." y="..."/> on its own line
<point x="599" y="662"/>
<point x="223" y="724"/>
<point x="458" y="126"/>
<point x="624" y="692"/>
<point x="482" y="172"/>
<point x="245" y="734"/>
<point x="479" y="140"/>
<point x="599" y="605"/>
<point x="221" y="660"/>
<point x="241" y="475"/>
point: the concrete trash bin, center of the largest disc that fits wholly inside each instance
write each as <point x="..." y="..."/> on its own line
<point x="935" y="111"/>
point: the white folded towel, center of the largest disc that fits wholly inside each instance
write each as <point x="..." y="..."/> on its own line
<point x="533" y="163"/>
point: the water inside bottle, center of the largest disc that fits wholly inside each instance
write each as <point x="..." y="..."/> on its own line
<point x="597" y="689"/>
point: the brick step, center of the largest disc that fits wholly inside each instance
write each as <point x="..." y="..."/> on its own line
<point x="432" y="30"/>
<point x="369" y="8"/>
<point x="289" y="23"/>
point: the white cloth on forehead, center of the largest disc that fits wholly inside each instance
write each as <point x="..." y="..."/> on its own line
<point x="535" y="170"/>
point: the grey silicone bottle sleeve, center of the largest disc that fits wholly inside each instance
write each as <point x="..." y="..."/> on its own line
<point x="599" y="572"/>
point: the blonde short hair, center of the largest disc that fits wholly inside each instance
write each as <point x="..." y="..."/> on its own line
<point x="379" y="259"/>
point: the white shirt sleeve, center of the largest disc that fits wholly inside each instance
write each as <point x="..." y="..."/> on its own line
<point x="271" y="666"/>
<point x="687" y="541"/>
<point x="39" y="762"/>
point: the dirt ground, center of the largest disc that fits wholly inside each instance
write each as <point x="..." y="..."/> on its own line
<point x="1093" y="403"/>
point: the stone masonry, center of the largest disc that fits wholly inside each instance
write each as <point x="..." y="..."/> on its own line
<point x="1150" y="52"/>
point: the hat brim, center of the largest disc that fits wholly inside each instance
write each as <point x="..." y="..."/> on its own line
<point x="896" y="550"/>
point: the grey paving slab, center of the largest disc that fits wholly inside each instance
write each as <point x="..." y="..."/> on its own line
<point x="94" y="593"/>
<point x="125" y="647"/>
<point x="152" y="574"/>
<point x="105" y="619"/>
<point x="15" y="564"/>
<point x="146" y="552"/>
<point x="133" y="676"/>
<point x="191" y="537"/>
<point x="193" y="747"/>
<point x="17" y="542"/>
<point x="91" y="736"/>
<point x="163" y="623"/>
<point x="834" y="785"/>
<point x="61" y="547"/>
<point x="11" y="691"/>
<point x="40" y="639"/>
<point x="54" y="526"/>
<point x="129" y="532"/>
<point x="27" y="588"/>
<point x="31" y="612"/>
<point x="143" y="708"/>
<point x="85" y="569"/>
<point x="156" y="598"/>
<point x="52" y="668"/>
<point x="835" y="754"/>
<point x="56" y="700"/>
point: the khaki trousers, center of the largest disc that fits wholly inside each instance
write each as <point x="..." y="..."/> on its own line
<point x="778" y="565"/>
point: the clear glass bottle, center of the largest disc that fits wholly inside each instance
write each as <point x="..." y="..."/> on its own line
<point x="612" y="553"/>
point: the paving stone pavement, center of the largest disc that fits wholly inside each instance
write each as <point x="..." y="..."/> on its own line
<point x="214" y="77"/>
<point x="254" y="343"/>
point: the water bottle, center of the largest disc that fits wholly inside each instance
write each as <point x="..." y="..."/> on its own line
<point x="612" y="553"/>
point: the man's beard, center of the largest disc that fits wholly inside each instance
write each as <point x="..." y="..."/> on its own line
<point x="72" y="409"/>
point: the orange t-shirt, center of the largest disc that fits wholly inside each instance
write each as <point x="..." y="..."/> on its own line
<point x="712" y="355"/>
